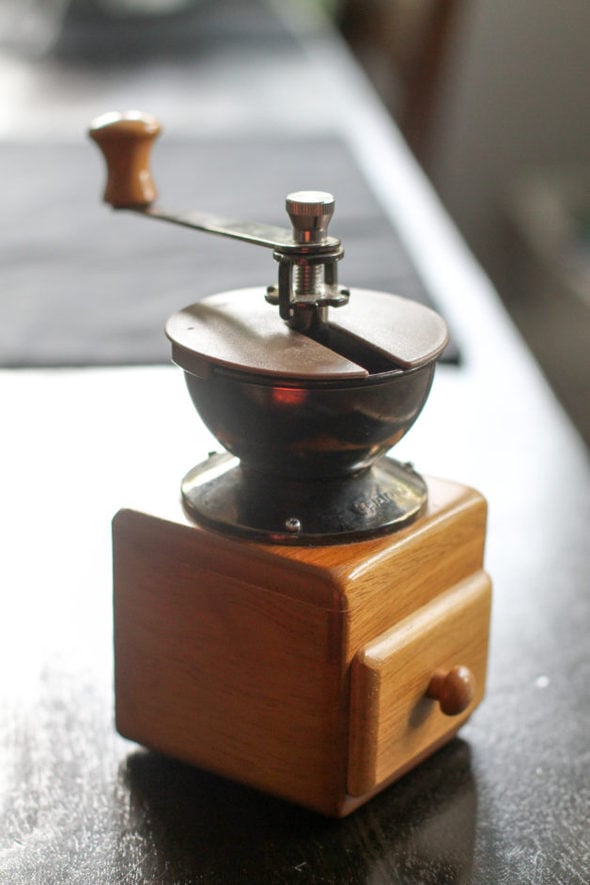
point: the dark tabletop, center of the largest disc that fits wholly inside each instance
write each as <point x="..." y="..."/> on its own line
<point x="506" y="802"/>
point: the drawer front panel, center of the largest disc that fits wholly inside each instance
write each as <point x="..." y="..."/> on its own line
<point x="392" y="719"/>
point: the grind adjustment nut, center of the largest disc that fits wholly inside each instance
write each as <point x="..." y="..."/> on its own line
<point x="310" y="213"/>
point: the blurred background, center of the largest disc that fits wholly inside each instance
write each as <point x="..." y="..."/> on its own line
<point x="491" y="98"/>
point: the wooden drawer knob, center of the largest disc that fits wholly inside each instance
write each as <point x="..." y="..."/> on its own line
<point x="454" y="690"/>
<point x="125" y="141"/>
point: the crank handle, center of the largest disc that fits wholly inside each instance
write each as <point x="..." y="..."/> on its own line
<point x="126" y="141"/>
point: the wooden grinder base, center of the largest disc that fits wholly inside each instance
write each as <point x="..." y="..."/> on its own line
<point x="301" y="671"/>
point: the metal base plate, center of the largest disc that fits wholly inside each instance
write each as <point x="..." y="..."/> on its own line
<point x="220" y="494"/>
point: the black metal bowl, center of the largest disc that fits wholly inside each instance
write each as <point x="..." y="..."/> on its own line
<point x="315" y="430"/>
<point x="310" y="467"/>
<point x="306" y="419"/>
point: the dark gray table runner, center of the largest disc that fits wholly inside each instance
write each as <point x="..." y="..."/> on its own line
<point x="85" y="286"/>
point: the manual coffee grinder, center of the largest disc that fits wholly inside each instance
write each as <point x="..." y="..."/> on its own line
<point x="312" y="619"/>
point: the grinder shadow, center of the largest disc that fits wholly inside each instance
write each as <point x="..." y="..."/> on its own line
<point x="197" y="827"/>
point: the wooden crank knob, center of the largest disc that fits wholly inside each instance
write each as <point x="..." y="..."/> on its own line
<point x="454" y="690"/>
<point x="125" y="141"/>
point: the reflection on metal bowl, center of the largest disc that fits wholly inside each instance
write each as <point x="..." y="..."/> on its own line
<point x="316" y="430"/>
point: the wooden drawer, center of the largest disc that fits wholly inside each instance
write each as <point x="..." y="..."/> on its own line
<point x="392" y="719"/>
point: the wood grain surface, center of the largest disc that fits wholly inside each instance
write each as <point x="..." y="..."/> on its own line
<point x="125" y="140"/>
<point x="234" y="656"/>
<point x="392" y="717"/>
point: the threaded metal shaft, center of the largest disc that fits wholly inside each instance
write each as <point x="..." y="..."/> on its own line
<point x="307" y="279"/>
